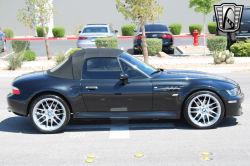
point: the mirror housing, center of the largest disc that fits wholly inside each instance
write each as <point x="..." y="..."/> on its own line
<point x="116" y="31"/>
<point x="134" y="30"/>
<point x="124" y="78"/>
<point x="80" y="31"/>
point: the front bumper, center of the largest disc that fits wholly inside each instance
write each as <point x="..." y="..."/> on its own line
<point x="18" y="104"/>
<point x="234" y="105"/>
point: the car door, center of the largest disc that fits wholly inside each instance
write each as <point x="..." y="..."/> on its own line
<point x="103" y="91"/>
<point x="245" y="22"/>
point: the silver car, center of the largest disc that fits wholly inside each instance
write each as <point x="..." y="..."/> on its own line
<point x="86" y="38"/>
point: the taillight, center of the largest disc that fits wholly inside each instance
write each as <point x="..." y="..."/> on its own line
<point x="15" y="90"/>
<point x="82" y="38"/>
<point x="140" y="37"/>
<point x="167" y="36"/>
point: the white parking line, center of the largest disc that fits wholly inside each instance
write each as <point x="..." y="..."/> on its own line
<point x="119" y="129"/>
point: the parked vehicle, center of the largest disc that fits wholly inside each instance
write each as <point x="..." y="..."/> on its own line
<point x="154" y="30"/>
<point x="242" y="33"/>
<point x="86" y="38"/>
<point x="110" y="83"/>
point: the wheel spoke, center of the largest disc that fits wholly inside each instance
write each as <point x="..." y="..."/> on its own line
<point x="204" y="119"/>
<point x="43" y="106"/>
<point x="204" y="100"/>
<point x="57" y="117"/>
<point x="194" y="111"/>
<point x="208" y="120"/>
<point x="214" y="112"/>
<point x="199" y="119"/>
<point x="43" y="121"/>
<point x="211" y="104"/>
<point x="208" y="101"/>
<point x="196" y="103"/>
<point x="55" y="121"/>
<point x="196" y="115"/>
<point x="211" y="116"/>
<point x="47" y="123"/>
<point x="60" y="114"/>
<point x="199" y="100"/>
<point x="214" y="107"/>
<point x="51" y="103"/>
<point x="47" y="103"/>
<point x="41" y="117"/>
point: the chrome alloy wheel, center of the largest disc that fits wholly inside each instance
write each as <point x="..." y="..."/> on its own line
<point x="49" y="114"/>
<point x="204" y="110"/>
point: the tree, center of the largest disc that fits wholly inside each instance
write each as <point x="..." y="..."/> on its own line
<point x="140" y="12"/>
<point x="205" y="7"/>
<point x="37" y="12"/>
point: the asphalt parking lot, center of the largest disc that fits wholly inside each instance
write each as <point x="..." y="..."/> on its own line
<point x="56" y="45"/>
<point x="115" y="142"/>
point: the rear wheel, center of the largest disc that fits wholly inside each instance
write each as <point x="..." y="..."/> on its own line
<point x="49" y="114"/>
<point x="204" y="110"/>
<point x="170" y="51"/>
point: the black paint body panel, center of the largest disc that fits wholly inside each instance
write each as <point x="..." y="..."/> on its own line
<point x="139" y="99"/>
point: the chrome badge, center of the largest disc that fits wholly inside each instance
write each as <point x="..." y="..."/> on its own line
<point x="228" y="16"/>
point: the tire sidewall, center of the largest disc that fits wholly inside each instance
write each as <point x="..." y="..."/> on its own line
<point x="186" y="115"/>
<point x="67" y="110"/>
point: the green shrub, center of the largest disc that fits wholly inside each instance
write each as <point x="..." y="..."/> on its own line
<point x="217" y="43"/>
<point x="223" y="57"/>
<point x="20" y="45"/>
<point x="9" y="33"/>
<point x="58" y="32"/>
<point x="106" y="42"/>
<point x="15" y="61"/>
<point x="60" y="56"/>
<point x="39" y="31"/>
<point x="73" y="50"/>
<point x="28" y="55"/>
<point x="212" y="27"/>
<point x="128" y="30"/>
<point x="241" y="49"/>
<point x="192" y="27"/>
<point x="175" y="28"/>
<point x="154" y="46"/>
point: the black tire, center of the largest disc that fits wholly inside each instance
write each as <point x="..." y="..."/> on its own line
<point x="170" y="51"/>
<point x="200" y="93"/>
<point x="66" y="108"/>
<point x="137" y="52"/>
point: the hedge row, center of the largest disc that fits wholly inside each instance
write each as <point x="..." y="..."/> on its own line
<point x="154" y="46"/>
<point x="106" y="43"/>
<point x="57" y="31"/>
<point x="128" y="30"/>
<point x="241" y="49"/>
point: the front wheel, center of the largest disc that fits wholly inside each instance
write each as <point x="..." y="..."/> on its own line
<point x="204" y="110"/>
<point x="49" y="114"/>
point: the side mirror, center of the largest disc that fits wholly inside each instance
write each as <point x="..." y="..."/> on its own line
<point x="116" y="31"/>
<point x="134" y="30"/>
<point x="169" y="29"/>
<point x="80" y="31"/>
<point x="124" y="78"/>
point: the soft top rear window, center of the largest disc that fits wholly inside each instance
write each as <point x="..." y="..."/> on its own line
<point x="151" y="28"/>
<point x="95" y="30"/>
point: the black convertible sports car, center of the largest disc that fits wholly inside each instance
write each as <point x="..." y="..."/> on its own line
<point x="110" y="83"/>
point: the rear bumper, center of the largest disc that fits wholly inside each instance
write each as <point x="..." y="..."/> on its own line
<point x="86" y="45"/>
<point x="234" y="106"/>
<point x="241" y="38"/>
<point x="164" y="47"/>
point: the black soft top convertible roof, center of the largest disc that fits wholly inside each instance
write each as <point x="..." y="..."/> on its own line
<point x="72" y="68"/>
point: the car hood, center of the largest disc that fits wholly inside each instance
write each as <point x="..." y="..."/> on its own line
<point x="170" y="73"/>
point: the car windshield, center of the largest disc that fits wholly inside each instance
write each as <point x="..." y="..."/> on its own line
<point x="151" y="28"/>
<point x="146" y="68"/>
<point x="95" y="30"/>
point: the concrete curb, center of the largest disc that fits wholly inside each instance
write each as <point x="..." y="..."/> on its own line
<point x="191" y="53"/>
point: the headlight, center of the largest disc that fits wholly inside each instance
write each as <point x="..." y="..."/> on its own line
<point x="234" y="92"/>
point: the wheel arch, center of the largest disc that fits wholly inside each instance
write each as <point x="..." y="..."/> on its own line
<point x="197" y="90"/>
<point x="48" y="93"/>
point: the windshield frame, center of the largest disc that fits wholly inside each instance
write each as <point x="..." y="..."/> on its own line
<point x="147" y="66"/>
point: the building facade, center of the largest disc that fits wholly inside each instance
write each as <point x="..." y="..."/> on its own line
<point x="72" y="13"/>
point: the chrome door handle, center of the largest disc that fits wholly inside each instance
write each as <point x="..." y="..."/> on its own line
<point x="91" y="87"/>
